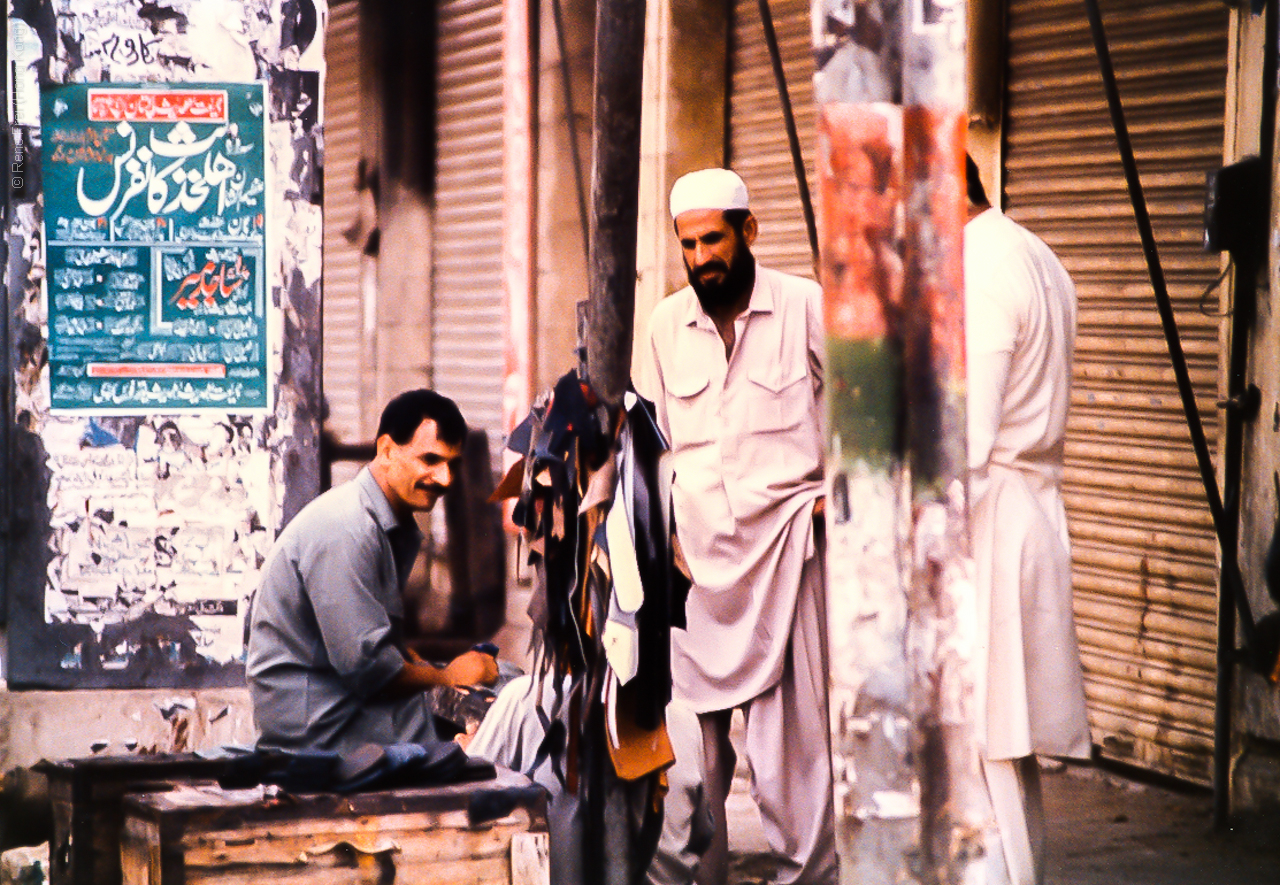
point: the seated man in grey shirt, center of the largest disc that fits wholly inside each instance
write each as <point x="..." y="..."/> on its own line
<point x="327" y="666"/>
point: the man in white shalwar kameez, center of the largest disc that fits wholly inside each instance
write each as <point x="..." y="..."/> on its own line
<point x="1020" y="324"/>
<point x="735" y="369"/>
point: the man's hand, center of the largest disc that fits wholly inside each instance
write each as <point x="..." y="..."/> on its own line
<point x="413" y="656"/>
<point x="471" y="668"/>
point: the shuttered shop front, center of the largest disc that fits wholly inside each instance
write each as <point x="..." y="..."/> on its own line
<point x="342" y="303"/>
<point x="1145" y="570"/>
<point x="758" y="149"/>
<point x="467" y="315"/>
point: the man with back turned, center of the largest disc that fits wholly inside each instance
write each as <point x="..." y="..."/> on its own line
<point x="1020" y="324"/>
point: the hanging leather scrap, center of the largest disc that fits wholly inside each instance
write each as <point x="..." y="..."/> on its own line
<point x="511" y="484"/>
<point x="635" y="751"/>
<point x="592" y="496"/>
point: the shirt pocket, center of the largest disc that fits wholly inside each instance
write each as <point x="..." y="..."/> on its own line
<point x="688" y="407"/>
<point x="779" y="397"/>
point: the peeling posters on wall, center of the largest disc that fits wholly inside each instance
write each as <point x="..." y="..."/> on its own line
<point x="156" y="221"/>
<point x="126" y="544"/>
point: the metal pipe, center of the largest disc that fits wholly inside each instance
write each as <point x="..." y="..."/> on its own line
<point x="1244" y="293"/>
<point x="519" y="206"/>
<point x="789" y="118"/>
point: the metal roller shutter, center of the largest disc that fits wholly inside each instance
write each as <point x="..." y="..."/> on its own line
<point x="1145" y="566"/>
<point x="758" y="149"/>
<point x="467" y="316"/>
<point x="342" y="302"/>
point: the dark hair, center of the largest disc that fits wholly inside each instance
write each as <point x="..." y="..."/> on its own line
<point x="406" y="412"/>
<point x="737" y="219"/>
<point x="977" y="193"/>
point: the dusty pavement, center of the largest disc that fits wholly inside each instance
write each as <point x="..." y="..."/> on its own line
<point x="1103" y="829"/>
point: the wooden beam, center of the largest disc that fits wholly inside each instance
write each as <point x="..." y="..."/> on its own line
<point x="615" y="184"/>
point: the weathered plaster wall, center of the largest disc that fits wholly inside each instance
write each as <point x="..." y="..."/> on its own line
<point x="402" y="340"/>
<point x="399" y="113"/>
<point x="1256" y="702"/>
<point x="683" y="129"/>
<point x="120" y="522"/>
<point x="34" y="724"/>
<point x="561" y="261"/>
<point x="37" y="725"/>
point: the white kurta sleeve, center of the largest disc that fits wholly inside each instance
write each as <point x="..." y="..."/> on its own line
<point x="991" y="334"/>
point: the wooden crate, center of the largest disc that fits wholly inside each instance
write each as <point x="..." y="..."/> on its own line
<point x="422" y="836"/>
<point x="86" y="796"/>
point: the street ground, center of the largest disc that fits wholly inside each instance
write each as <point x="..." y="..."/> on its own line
<point x="1107" y="828"/>
<point x="1104" y="828"/>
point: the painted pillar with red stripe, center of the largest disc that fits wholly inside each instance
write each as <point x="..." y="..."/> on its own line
<point x="911" y="805"/>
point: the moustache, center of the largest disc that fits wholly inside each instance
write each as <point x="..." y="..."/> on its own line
<point x="713" y="264"/>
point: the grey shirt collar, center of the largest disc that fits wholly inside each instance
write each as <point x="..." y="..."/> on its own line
<point x="404" y="535"/>
<point x="377" y="502"/>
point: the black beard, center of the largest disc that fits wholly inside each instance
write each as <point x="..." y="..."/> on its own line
<point x="740" y="277"/>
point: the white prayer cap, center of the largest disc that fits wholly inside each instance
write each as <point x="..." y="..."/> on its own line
<point x="708" y="189"/>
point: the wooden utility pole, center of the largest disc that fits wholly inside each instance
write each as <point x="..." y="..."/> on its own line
<point x="911" y="805"/>
<point x="615" y="186"/>
<point x="611" y="853"/>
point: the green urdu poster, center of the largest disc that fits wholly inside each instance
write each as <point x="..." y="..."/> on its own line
<point x="155" y="225"/>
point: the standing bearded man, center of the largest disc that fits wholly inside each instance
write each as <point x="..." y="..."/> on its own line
<point x="736" y="374"/>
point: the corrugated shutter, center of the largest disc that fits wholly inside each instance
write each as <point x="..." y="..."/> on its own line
<point x="1144" y="552"/>
<point x="467" y="321"/>
<point x="342" y="303"/>
<point x="758" y="146"/>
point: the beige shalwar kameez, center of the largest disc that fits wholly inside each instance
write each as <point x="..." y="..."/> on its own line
<point x="746" y="441"/>
<point x="1020" y="328"/>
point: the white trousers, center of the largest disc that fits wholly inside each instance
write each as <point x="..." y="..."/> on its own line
<point x="1016" y="798"/>
<point x="788" y="749"/>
